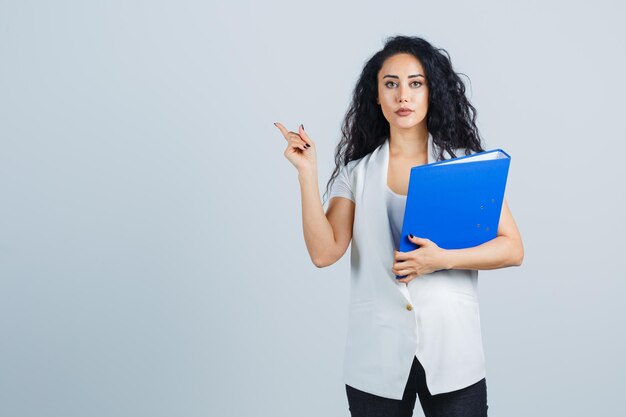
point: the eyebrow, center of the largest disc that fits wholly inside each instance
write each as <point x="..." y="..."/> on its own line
<point x="410" y="76"/>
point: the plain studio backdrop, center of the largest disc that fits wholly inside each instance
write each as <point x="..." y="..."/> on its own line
<point x="152" y="261"/>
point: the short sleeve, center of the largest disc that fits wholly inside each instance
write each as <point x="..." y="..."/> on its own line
<point x="341" y="186"/>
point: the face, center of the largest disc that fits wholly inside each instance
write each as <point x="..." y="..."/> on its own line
<point x="402" y="83"/>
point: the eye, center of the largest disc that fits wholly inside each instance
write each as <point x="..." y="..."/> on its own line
<point x="392" y="82"/>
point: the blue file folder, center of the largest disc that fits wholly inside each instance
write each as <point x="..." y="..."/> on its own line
<point x="456" y="203"/>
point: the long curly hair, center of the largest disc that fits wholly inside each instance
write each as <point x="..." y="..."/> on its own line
<point x="450" y="118"/>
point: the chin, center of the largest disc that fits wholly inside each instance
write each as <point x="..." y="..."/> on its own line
<point x="405" y="124"/>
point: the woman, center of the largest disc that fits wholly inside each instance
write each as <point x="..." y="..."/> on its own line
<point x="419" y="335"/>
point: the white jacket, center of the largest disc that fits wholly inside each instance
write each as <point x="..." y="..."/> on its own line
<point x="437" y="316"/>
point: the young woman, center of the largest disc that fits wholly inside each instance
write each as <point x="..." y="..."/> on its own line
<point x="419" y="335"/>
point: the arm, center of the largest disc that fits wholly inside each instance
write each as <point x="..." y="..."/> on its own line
<point x="327" y="236"/>
<point x="506" y="249"/>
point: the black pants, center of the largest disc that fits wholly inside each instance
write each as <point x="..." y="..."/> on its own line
<point x="470" y="401"/>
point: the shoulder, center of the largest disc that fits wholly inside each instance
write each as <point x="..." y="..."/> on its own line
<point x="352" y="164"/>
<point x="349" y="168"/>
<point x="360" y="164"/>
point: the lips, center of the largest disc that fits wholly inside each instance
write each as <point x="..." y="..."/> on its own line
<point x="404" y="112"/>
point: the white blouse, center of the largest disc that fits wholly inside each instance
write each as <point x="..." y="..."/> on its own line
<point x="443" y="330"/>
<point x="395" y="211"/>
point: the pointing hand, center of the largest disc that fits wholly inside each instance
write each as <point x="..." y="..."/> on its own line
<point x="300" y="149"/>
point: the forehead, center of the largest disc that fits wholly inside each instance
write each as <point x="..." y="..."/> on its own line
<point x="402" y="65"/>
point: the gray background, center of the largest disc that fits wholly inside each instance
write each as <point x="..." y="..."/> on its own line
<point x="151" y="252"/>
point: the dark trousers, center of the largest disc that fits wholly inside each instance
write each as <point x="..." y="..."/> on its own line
<point x="470" y="401"/>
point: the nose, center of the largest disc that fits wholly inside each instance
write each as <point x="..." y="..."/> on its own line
<point x="402" y="95"/>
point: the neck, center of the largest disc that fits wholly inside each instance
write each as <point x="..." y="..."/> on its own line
<point x="408" y="143"/>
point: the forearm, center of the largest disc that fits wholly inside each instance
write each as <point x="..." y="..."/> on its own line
<point x="499" y="252"/>
<point x="318" y="232"/>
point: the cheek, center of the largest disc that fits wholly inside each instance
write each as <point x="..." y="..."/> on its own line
<point x="423" y="101"/>
<point x="384" y="98"/>
<point x="387" y="104"/>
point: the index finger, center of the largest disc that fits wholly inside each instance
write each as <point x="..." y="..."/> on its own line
<point x="282" y="128"/>
<point x="400" y="256"/>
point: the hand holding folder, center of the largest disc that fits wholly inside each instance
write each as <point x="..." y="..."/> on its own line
<point x="456" y="203"/>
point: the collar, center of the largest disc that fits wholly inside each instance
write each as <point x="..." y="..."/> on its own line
<point x="377" y="225"/>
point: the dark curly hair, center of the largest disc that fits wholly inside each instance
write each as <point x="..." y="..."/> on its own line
<point x="450" y="118"/>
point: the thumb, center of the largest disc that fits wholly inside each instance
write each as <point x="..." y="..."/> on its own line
<point x="305" y="136"/>
<point x="418" y="240"/>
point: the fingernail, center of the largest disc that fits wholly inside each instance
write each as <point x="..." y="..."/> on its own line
<point x="307" y="145"/>
<point x="302" y="126"/>
<point x="411" y="236"/>
<point x="275" y="123"/>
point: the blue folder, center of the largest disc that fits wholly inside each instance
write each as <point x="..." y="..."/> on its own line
<point x="456" y="203"/>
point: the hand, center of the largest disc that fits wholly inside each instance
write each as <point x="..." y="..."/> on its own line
<point x="300" y="148"/>
<point x="426" y="259"/>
